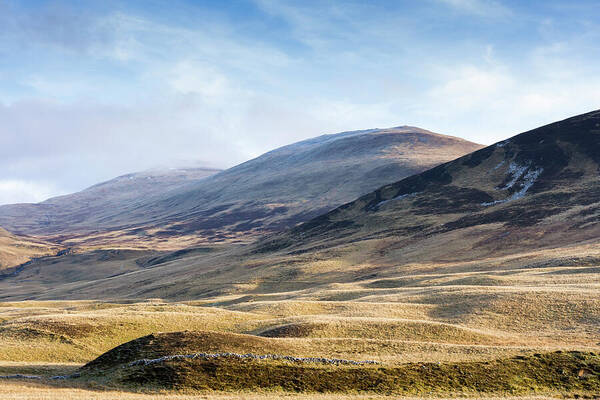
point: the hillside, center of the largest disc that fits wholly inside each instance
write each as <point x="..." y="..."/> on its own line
<point x="15" y="250"/>
<point x="270" y="193"/>
<point x="538" y="189"/>
<point x="526" y="203"/>
<point x="87" y="210"/>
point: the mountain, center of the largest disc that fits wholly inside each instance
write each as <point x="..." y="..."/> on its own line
<point x="476" y="276"/>
<point x="87" y="210"/>
<point x="521" y="212"/>
<point x="268" y="194"/>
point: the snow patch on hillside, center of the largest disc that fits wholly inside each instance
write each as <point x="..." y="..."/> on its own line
<point x="501" y="163"/>
<point x="528" y="175"/>
<point x="516" y="171"/>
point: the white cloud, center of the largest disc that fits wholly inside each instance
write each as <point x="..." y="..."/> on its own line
<point x="488" y="103"/>
<point x="17" y="191"/>
<point x="469" y="87"/>
<point x="195" y="78"/>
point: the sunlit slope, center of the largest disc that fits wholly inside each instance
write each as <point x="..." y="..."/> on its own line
<point x="15" y="250"/>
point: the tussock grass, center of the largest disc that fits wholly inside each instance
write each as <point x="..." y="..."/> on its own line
<point x="336" y="308"/>
<point x="455" y="312"/>
<point x="15" y="250"/>
<point x="378" y="328"/>
<point x="37" y="368"/>
<point x="445" y="324"/>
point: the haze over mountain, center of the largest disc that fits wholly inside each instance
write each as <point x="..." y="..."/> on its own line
<point x="91" y="206"/>
<point x="272" y="192"/>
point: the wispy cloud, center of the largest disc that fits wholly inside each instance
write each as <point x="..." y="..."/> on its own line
<point x="90" y="90"/>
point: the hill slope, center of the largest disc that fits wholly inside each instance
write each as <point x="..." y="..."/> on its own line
<point x="87" y="210"/>
<point x="275" y="191"/>
<point x="15" y="250"/>
<point x="485" y="267"/>
<point x="540" y="188"/>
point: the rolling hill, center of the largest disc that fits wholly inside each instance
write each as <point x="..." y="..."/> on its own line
<point x="87" y="210"/>
<point x="536" y="190"/>
<point x="270" y="193"/>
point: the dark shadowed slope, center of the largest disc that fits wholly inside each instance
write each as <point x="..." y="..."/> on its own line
<point x="539" y="188"/>
<point x="270" y="193"/>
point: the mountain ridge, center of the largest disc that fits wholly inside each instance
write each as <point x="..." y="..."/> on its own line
<point x="269" y="193"/>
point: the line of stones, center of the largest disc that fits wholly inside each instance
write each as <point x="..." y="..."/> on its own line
<point x="208" y="356"/>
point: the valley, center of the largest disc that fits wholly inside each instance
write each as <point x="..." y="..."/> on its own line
<point x="537" y="303"/>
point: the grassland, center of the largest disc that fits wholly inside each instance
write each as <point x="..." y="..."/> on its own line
<point x="450" y="314"/>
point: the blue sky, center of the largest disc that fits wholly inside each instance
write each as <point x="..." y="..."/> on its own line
<point x="93" y="89"/>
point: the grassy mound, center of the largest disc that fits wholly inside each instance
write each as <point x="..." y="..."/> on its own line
<point x="571" y="372"/>
<point x="567" y="372"/>
<point x="68" y="334"/>
<point x="187" y="342"/>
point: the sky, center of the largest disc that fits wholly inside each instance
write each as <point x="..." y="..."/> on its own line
<point x="90" y="90"/>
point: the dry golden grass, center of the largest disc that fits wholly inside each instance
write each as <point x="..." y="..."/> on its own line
<point x="80" y="333"/>
<point x="443" y="324"/>
<point x="15" y="250"/>
<point x="35" y="391"/>
<point x="419" y="312"/>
